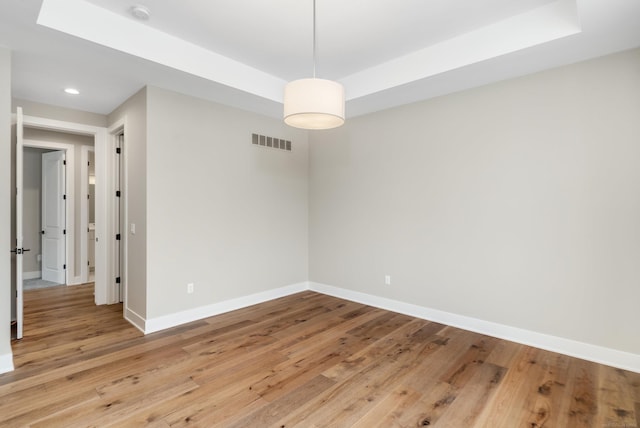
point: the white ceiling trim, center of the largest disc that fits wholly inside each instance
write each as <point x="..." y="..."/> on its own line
<point x="45" y="59"/>
<point x="87" y="21"/>
<point x="541" y="25"/>
<point x="90" y="22"/>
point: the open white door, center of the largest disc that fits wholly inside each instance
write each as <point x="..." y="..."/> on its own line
<point x="19" y="250"/>
<point x="53" y="217"/>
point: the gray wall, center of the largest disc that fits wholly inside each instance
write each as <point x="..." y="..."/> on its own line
<point x="226" y="215"/>
<point x="135" y="150"/>
<point x="517" y="203"/>
<point x="5" y="195"/>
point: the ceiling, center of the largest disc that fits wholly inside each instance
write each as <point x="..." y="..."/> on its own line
<point x="242" y="52"/>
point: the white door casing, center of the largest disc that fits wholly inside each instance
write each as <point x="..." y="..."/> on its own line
<point x="53" y="217"/>
<point x="19" y="236"/>
<point x="103" y="229"/>
<point x="119" y="219"/>
<point x="87" y="236"/>
<point x="117" y="216"/>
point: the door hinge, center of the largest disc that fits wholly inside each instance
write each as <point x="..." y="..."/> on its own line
<point x="64" y="266"/>
<point x="88" y="197"/>
<point x="117" y="193"/>
<point x="118" y="280"/>
<point x="118" y="237"/>
<point x="88" y="264"/>
<point x="64" y="162"/>
<point x="64" y="197"/>
<point x="118" y="150"/>
<point x="42" y="232"/>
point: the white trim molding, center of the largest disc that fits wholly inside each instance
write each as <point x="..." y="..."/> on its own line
<point x="119" y="213"/>
<point x="586" y="351"/>
<point x="102" y="231"/>
<point x="178" y="318"/>
<point x="572" y="348"/>
<point x="136" y="320"/>
<point x="84" y="211"/>
<point x="6" y="363"/>
<point x="32" y="275"/>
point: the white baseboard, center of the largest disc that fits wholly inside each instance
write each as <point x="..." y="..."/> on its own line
<point x="585" y="351"/>
<point x="6" y="363"/>
<point x="573" y="348"/>
<point x="31" y="275"/>
<point x="166" y="321"/>
<point x="136" y="320"/>
<point x="73" y="284"/>
<point x="75" y="280"/>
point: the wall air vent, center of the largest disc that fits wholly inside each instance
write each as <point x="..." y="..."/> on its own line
<point x="271" y="142"/>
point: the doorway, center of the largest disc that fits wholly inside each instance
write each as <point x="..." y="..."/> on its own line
<point x="104" y="293"/>
<point x="63" y="241"/>
<point x="45" y="215"/>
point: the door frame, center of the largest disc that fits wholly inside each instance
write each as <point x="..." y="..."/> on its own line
<point x="114" y="131"/>
<point x="70" y="211"/>
<point x="84" y="211"/>
<point x="103" y="294"/>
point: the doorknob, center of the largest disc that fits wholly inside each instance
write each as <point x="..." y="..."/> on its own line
<point x="20" y="250"/>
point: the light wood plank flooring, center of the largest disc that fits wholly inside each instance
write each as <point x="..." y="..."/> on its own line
<point x="306" y="360"/>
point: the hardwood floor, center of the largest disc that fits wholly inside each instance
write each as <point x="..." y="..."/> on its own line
<point x="306" y="360"/>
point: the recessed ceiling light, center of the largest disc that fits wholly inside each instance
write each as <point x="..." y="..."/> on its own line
<point x="72" y="91"/>
<point x="140" y="12"/>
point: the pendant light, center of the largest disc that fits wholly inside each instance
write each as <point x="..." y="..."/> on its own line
<point x="314" y="103"/>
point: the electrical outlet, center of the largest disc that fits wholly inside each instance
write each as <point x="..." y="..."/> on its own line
<point x="190" y="288"/>
<point x="387" y="279"/>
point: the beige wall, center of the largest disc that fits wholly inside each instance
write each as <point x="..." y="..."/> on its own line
<point x="226" y="215"/>
<point x="135" y="194"/>
<point x="517" y="203"/>
<point x="5" y="215"/>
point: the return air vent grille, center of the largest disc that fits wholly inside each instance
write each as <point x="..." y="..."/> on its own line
<point x="271" y="142"/>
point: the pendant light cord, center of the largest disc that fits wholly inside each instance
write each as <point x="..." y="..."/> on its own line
<point x="314" y="39"/>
